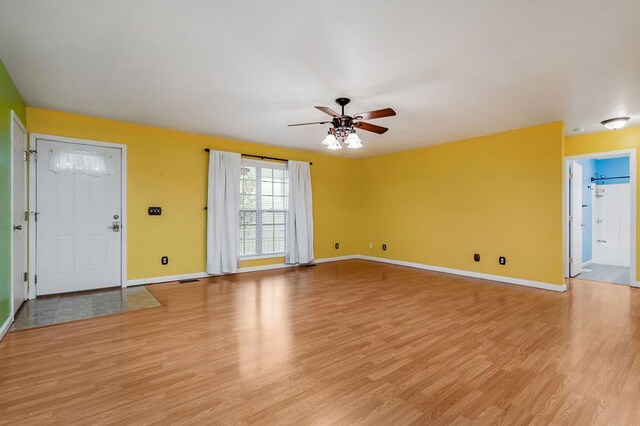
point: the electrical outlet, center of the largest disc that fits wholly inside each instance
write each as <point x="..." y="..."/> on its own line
<point x="502" y="260"/>
<point x="164" y="260"/>
<point x="337" y="246"/>
<point x="476" y="257"/>
<point x="384" y="247"/>
<point x="154" y="211"/>
<point x="370" y="245"/>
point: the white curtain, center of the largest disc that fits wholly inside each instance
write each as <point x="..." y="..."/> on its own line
<point x="222" y="212"/>
<point x="300" y="226"/>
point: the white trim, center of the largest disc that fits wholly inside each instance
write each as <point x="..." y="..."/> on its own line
<point x="509" y="280"/>
<point x="500" y="278"/>
<point x="263" y="267"/>
<point x="195" y="275"/>
<point x="31" y="284"/>
<point x="33" y="138"/>
<point x="587" y="263"/>
<point x="166" y="279"/>
<point x="14" y="119"/>
<point x="261" y="256"/>
<point x="5" y="327"/>
<point x="631" y="153"/>
<point x="338" y="258"/>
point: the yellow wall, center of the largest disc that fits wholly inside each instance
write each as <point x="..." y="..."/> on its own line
<point x="604" y="142"/>
<point x="169" y="168"/>
<point x="497" y="195"/>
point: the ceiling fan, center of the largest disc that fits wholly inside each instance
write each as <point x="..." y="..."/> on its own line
<point x="343" y="127"/>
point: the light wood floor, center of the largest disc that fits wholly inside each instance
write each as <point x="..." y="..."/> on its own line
<point x="340" y="343"/>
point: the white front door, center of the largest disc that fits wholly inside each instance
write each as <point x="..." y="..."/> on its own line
<point x="19" y="201"/>
<point x="575" y="245"/>
<point x="79" y="243"/>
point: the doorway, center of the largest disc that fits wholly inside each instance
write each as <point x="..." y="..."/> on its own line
<point x="79" y="218"/>
<point x="601" y="218"/>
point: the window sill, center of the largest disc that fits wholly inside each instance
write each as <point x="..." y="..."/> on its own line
<point x="261" y="256"/>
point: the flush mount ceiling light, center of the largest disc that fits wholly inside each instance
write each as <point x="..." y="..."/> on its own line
<point x="343" y="126"/>
<point x="615" y="123"/>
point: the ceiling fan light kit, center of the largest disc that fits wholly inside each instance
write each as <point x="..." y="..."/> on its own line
<point x="335" y="145"/>
<point x="353" y="141"/>
<point x="343" y="126"/>
<point x="329" y="140"/>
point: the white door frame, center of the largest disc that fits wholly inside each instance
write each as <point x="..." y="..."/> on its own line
<point x="575" y="267"/>
<point x="631" y="153"/>
<point x="33" y="261"/>
<point x="15" y="119"/>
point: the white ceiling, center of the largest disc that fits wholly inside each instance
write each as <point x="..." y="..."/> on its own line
<point x="245" y="69"/>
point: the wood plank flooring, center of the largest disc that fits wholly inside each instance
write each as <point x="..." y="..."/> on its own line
<point x="340" y="343"/>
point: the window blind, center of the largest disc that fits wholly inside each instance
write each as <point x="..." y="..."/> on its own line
<point x="264" y="204"/>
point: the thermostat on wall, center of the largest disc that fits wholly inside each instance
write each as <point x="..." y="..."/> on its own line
<point x="155" y="211"/>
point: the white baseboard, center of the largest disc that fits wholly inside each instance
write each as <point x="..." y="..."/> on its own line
<point x="337" y="258"/>
<point x="5" y="326"/>
<point x="166" y="279"/>
<point x="500" y="278"/>
<point x="196" y="275"/>
<point x="509" y="280"/>
<point x="264" y="267"/>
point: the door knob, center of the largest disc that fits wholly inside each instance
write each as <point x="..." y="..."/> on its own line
<point x="17" y="227"/>
<point x="115" y="227"/>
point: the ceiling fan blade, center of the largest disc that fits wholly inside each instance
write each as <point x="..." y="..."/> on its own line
<point x="328" y="110"/>
<point x="379" y="113"/>
<point x="370" y="127"/>
<point x="306" y="124"/>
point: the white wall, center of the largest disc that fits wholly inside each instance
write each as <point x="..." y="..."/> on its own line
<point x="611" y="223"/>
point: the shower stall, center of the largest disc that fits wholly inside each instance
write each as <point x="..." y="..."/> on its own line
<point x="611" y="224"/>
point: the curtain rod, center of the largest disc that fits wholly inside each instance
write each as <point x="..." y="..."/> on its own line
<point x="262" y="157"/>
<point x="613" y="177"/>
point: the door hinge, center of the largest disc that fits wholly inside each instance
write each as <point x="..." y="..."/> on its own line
<point x="35" y="279"/>
<point x="25" y="155"/>
<point x="30" y="153"/>
<point x="571" y="260"/>
<point x="35" y="215"/>
<point x="26" y="276"/>
<point x="570" y="175"/>
<point x="570" y="218"/>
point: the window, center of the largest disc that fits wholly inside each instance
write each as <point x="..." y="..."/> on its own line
<point x="264" y="205"/>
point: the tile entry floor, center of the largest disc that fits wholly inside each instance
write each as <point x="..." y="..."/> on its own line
<point x="57" y="309"/>
<point x="605" y="273"/>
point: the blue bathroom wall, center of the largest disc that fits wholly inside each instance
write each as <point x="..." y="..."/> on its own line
<point x="588" y="170"/>
<point x="610" y="167"/>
